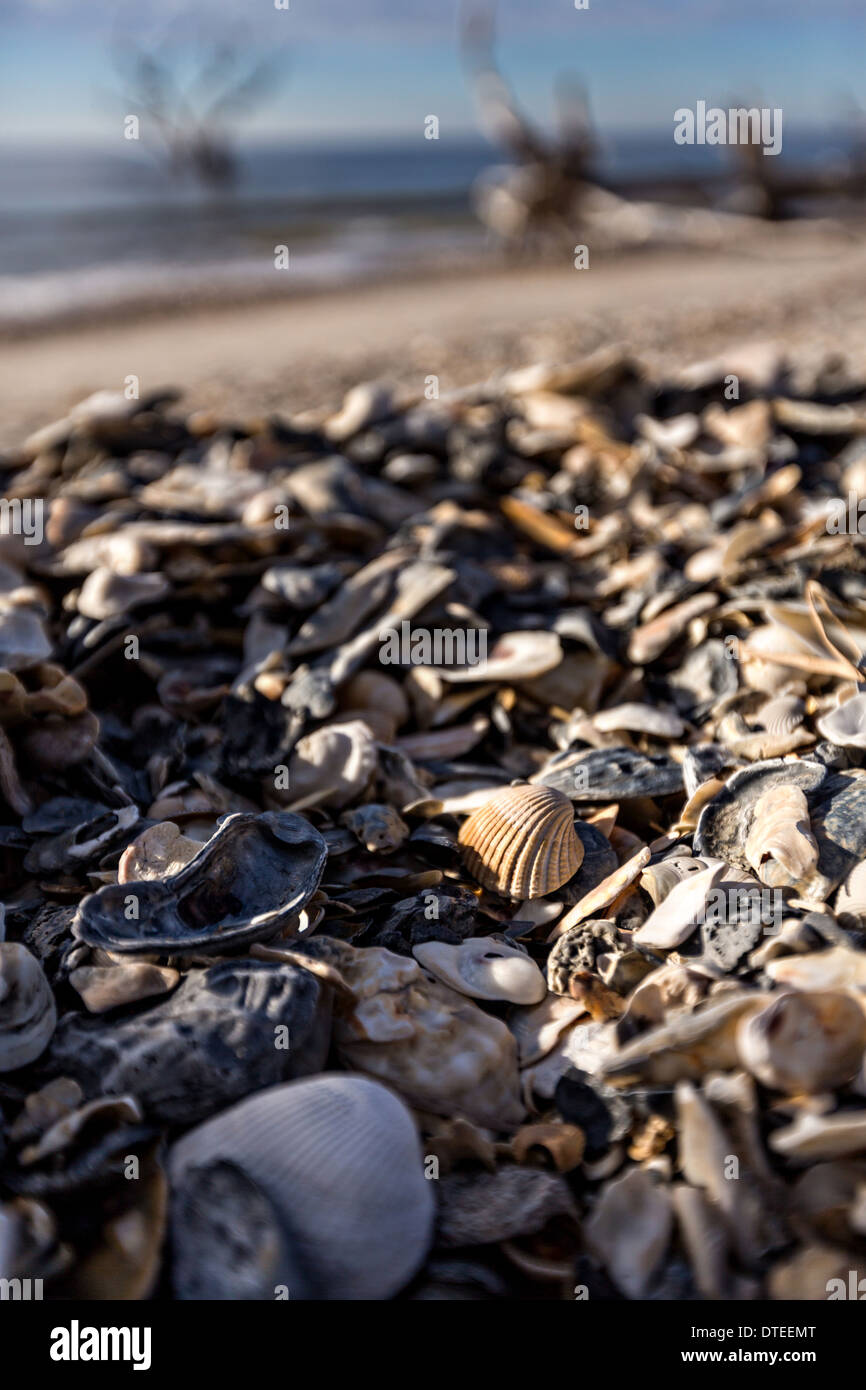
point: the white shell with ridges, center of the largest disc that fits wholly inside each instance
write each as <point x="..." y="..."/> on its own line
<point x="340" y="1161"/>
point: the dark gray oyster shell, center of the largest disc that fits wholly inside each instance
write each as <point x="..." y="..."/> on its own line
<point x="611" y="774"/>
<point x="837" y="812"/>
<point x="599" y="861"/>
<point x="213" y="1041"/>
<point x="248" y="882"/>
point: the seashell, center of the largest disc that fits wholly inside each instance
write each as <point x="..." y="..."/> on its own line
<point x="480" y="1208"/>
<point x="484" y="968"/>
<point x="673" y="922"/>
<point x="816" y="1273"/>
<point x="333" y="764"/>
<point x="213" y="1041"/>
<point x="629" y="1230"/>
<point x="650" y="640"/>
<point x="611" y="774"/>
<point x="837" y="812"/>
<point x="105" y="594"/>
<point x="378" y="827"/>
<point x="599" y="862"/>
<point x="780" y="833"/>
<point x="782" y="715"/>
<point x="686" y="1046"/>
<point x="435" y="1047"/>
<point x="537" y="1030"/>
<point x="838" y="968"/>
<point x="606" y="892"/>
<point x="23" y="639"/>
<point x="515" y="656"/>
<point x="845" y="725"/>
<point x="642" y="719"/>
<point x="804" y="1041"/>
<point x="660" y="879"/>
<point x="577" y="952"/>
<point x="247" y="882"/>
<point x="812" y="1137"/>
<point x="87" y="841"/>
<point x="108" y="987"/>
<point x="562" y="1144"/>
<point x="27" y="1010"/>
<point x="522" y="842"/>
<point x="375" y="691"/>
<point x="160" y="851"/>
<point x="851" y="896"/>
<point x="347" y="1211"/>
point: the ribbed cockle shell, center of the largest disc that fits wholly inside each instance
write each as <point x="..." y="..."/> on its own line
<point x="522" y="842"/>
<point x="338" y="1161"/>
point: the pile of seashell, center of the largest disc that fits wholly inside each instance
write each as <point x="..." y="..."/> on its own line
<point x="537" y="969"/>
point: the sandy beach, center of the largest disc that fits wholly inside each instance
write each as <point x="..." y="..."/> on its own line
<point x="802" y="284"/>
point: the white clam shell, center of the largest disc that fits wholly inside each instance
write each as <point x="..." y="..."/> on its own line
<point x="845" y="725"/>
<point x="27" y="1012"/>
<point x="340" y="1160"/>
<point x="484" y="969"/>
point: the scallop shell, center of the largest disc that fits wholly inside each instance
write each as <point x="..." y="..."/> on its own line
<point x="27" y="1011"/>
<point x="339" y="1165"/>
<point x="522" y="842"/>
<point x="484" y="969"/>
<point x="780" y="846"/>
<point x="845" y="725"/>
<point x="804" y="1042"/>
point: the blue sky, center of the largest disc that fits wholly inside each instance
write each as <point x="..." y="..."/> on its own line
<point x="368" y="69"/>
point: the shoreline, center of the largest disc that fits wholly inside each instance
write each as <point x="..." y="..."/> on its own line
<point x="289" y="354"/>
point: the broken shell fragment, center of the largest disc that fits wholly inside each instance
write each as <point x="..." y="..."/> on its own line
<point x="247" y="883"/>
<point x="484" y="968"/>
<point x="780" y="845"/>
<point x="349" y="1214"/>
<point x="27" y="1011"/>
<point x="804" y="1042"/>
<point x="522" y="842"/>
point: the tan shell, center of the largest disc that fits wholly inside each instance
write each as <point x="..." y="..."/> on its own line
<point x="433" y="1046"/>
<point x="27" y="1010"/>
<point x="780" y="846"/>
<point x="804" y="1042"/>
<point x="484" y="969"/>
<point x="522" y="842"/>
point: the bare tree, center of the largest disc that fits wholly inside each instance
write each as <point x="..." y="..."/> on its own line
<point x="541" y="194"/>
<point x="193" y="93"/>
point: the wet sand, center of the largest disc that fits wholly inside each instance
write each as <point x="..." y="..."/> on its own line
<point x="805" y="287"/>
